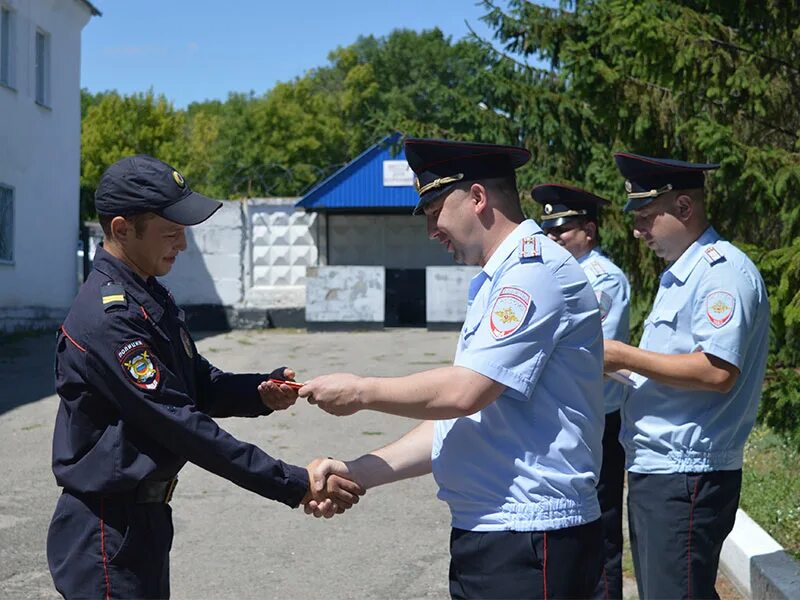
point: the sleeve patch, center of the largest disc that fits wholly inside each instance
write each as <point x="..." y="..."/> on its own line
<point x="719" y="307"/>
<point x="113" y="295"/>
<point x="508" y="311"/>
<point x="605" y="302"/>
<point x="137" y="362"/>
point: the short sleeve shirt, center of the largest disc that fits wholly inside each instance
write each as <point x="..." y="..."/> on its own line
<point x="713" y="300"/>
<point x="530" y="460"/>
<point x="613" y="294"/>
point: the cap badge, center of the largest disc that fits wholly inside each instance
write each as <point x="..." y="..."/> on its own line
<point x="179" y="179"/>
<point x="548" y="208"/>
<point x="628" y="186"/>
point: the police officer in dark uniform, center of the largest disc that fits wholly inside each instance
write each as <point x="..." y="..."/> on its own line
<point x="137" y="400"/>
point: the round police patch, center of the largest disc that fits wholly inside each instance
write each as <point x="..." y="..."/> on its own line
<point x="187" y="343"/>
<point x="719" y="307"/>
<point x="508" y="311"/>
<point x="604" y="301"/>
<point x="137" y="362"/>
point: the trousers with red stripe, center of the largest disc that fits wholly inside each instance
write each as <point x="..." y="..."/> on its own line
<point x="109" y="547"/>
<point x="562" y="563"/>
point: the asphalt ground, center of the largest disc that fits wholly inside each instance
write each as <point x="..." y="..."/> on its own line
<point x="230" y="543"/>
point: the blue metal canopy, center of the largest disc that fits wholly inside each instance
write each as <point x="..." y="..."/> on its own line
<point x="362" y="183"/>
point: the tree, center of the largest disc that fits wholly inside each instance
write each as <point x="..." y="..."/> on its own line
<point x="116" y="126"/>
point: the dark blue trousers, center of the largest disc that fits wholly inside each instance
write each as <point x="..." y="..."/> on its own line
<point x="609" y="493"/>
<point x="109" y="547"/>
<point x="563" y="563"/>
<point x="677" y="525"/>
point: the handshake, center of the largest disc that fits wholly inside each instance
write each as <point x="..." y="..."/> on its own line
<point x="332" y="488"/>
<point x="334" y="485"/>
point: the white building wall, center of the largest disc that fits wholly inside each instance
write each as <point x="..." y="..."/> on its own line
<point x="211" y="269"/>
<point x="40" y="160"/>
<point x="446" y="290"/>
<point x="284" y="242"/>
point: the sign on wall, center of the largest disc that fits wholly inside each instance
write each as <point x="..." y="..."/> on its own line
<point x="397" y="173"/>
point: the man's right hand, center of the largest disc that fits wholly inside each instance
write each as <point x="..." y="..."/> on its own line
<point x="332" y="489"/>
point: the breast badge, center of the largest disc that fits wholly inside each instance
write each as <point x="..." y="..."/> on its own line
<point x="138" y="365"/>
<point x="719" y="308"/>
<point x="187" y="343"/>
<point x="508" y="311"/>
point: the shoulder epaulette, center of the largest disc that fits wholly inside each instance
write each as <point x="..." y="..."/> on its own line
<point x="113" y="295"/>
<point x="712" y="255"/>
<point x="529" y="247"/>
<point x="597" y="268"/>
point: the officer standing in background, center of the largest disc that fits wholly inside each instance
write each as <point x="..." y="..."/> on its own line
<point x="137" y="400"/>
<point x="570" y="217"/>
<point x="699" y="370"/>
<point x="514" y="427"/>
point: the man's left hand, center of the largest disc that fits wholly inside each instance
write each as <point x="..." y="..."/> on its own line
<point x="278" y="397"/>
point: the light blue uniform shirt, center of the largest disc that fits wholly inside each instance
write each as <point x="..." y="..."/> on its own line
<point x="613" y="294"/>
<point x="530" y="460"/>
<point x="712" y="299"/>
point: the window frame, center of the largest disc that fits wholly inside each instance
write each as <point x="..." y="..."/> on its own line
<point x="42" y="64"/>
<point x="8" y="47"/>
<point x="13" y="213"/>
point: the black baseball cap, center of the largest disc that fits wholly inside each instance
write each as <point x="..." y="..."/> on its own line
<point x="141" y="183"/>
<point x="439" y="165"/>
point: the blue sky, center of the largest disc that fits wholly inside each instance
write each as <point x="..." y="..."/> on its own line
<point x="192" y="50"/>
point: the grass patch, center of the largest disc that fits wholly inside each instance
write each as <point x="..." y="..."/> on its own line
<point x="771" y="488"/>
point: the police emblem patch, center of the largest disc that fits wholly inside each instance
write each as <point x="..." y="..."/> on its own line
<point x="508" y="311"/>
<point x="187" y="343"/>
<point x="719" y="307"/>
<point x="137" y="362"/>
<point x="604" y="301"/>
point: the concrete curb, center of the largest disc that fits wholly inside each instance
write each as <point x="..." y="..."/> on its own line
<point x="757" y="565"/>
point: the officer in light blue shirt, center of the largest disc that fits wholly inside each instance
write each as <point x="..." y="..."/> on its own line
<point x="698" y="374"/>
<point x="570" y="217"/>
<point x="513" y="429"/>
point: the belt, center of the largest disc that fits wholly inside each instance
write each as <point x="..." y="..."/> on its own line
<point x="155" y="491"/>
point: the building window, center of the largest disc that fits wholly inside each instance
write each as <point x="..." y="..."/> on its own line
<point x="6" y="47"/>
<point x="6" y="224"/>
<point x="42" y="68"/>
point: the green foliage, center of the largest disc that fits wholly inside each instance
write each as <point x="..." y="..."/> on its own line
<point x="771" y="488"/>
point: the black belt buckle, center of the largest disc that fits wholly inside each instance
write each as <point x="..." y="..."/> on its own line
<point x="170" y="489"/>
<point x="158" y="492"/>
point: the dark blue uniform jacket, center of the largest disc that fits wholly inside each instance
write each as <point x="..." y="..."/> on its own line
<point x="137" y="399"/>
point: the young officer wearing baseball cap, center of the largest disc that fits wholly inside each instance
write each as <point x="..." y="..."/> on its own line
<point x="570" y="217"/>
<point x="699" y="369"/>
<point x="137" y="400"/>
<point x="513" y="430"/>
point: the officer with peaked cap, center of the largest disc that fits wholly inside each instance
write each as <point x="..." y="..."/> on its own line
<point x="137" y="400"/>
<point x="513" y="429"/>
<point x="698" y="374"/>
<point x="570" y="216"/>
